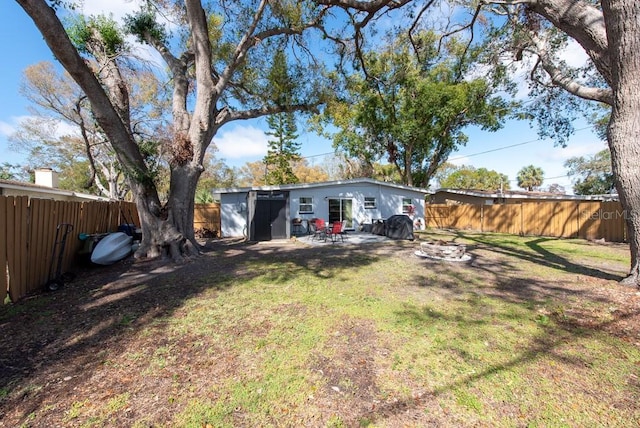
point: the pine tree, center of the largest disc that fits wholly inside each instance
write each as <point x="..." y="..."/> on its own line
<point x="283" y="149"/>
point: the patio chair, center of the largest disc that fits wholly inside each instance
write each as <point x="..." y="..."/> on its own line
<point x="337" y="230"/>
<point x="297" y="227"/>
<point x="319" y="229"/>
<point x="343" y="231"/>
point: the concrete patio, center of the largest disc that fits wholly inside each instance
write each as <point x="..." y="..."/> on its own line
<point x="351" y="238"/>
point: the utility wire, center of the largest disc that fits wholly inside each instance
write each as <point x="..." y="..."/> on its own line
<point x="557" y="176"/>
<point x="509" y="146"/>
<point x="472" y="154"/>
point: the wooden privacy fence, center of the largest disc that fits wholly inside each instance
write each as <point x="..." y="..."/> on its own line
<point x="207" y="216"/>
<point x="587" y="220"/>
<point x="28" y="235"/>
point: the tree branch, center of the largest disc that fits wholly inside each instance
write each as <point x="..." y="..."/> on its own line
<point x="580" y="20"/>
<point x="373" y="6"/>
<point x="414" y="26"/>
<point x="87" y="145"/>
<point x="560" y="79"/>
<point x="56" y="38"/>
<point x="245" y="43"/>
<point x="226" y="115"/>
<point x="470" y="26"/>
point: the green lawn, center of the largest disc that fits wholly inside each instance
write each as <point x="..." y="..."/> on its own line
<point x="534" y="332"/>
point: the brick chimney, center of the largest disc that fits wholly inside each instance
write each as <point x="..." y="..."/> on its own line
<point x="46" y="177"/>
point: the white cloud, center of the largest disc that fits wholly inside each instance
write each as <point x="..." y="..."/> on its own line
<point x="242" y="141"/>
<point x="574" y="55"/>
<point x="9" y="128"/>
<point x="6" y="129"/>
<point x="63" y="128"/>
<point x="58" y="129"/>
<point x="119" y="8"/>
<point x="460" y="160"/>
<point x="572" y="150"/>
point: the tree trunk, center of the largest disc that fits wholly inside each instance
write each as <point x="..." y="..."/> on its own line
<point x="184" y="180"/>
<point x="621" y="17"/>
<point x="158" y="234"/>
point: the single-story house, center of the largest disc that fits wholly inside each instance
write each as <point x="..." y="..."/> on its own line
<point x="483" y="197"/>
<point x="45" y="187"/>
<point x="277" y="212"/>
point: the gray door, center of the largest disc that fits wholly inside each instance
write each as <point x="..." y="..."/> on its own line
<point x="271" y="216"/>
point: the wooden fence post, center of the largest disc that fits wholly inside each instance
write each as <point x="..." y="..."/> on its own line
<point x="4" y="224"/>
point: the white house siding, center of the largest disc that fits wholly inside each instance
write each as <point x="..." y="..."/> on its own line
<point x="388" y="203"/>
<point x="233" y="214"/>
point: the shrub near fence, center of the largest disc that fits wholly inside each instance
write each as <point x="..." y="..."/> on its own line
<point x="587" y="220"/>
<point x="28" y="235"/>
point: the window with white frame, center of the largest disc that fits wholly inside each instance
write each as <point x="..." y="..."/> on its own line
<point x="370" y="203"/>
<point x="306" y="205"/>
<point x="407" y="206"/>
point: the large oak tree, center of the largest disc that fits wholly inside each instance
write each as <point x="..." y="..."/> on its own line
<point x="591" y="174"/>
<point x="468" y="177"/>
<point x="217" y="65"/>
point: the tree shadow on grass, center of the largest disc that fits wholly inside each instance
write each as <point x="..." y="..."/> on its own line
<point x="500" y="278"/>
<point x="53" y="342"/>
<point x="505" y="278"/>
<point x="539" y="255"/>
<point x="557" y="333"/>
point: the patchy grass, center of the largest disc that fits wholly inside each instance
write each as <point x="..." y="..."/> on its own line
<point x="533" y="332"/>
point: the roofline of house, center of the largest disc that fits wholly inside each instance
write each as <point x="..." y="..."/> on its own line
<point x="17" y="185"/>
<point x="318" y="184"/>
<point x="523" y="195"/>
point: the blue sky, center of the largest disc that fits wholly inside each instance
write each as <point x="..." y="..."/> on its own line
<point x="242" y="142"/>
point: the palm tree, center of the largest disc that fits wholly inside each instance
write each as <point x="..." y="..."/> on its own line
<point x="530" y="177"/>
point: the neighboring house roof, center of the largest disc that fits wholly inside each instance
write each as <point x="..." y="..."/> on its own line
<point x="319" y="185"/>
<point x="30" y="188"/>
<point x="515" y="194"/>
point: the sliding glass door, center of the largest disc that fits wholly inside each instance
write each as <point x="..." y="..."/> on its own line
<point x="341" y="209"/>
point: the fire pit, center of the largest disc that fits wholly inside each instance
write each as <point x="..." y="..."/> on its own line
<point x="442" y="250"/>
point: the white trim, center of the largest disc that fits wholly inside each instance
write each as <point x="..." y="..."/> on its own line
<point x="525" y="195"/>
<point x="319" y="184"/>
<point x="34" y="188"/>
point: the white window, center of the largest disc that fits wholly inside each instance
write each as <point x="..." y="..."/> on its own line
<point x="306" y="205"/>
<point x="370" y="203"/>
<point x="407" y="206"/>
